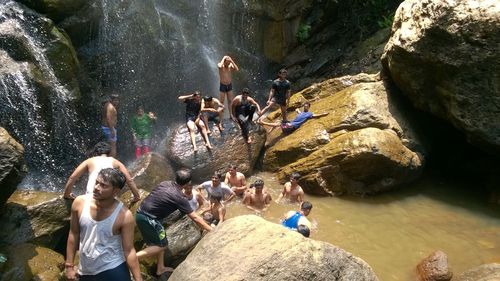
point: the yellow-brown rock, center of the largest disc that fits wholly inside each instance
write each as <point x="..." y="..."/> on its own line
<point x="12" y="167"/>
<point x="151" y="169"/>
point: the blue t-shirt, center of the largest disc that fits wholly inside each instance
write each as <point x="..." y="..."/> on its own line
<point x="293" y="221"/>
<point x="301" y="119"/>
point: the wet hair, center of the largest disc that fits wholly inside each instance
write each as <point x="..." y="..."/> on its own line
<point x="233" y="166"/>
<point x="183" y="176"/>
<point x="114" y="96"/>
<point x="102" y="148"/>
<point x="208" y="98"/>
<point x="283" y="70"/>
<point x="139" y="107"/>
<point x="208" y="217"/>
<point x="196" y="93"/>
<point x="245" y="91"/>
<point x="114" y="176"/>
<point x="306" y="205"/>
<point x="304" y="230"/>
<point x="308" y="103"/>
<point x="218" y="175"/>
<point x="295" y="176"/>
<point x="258" y="182"/>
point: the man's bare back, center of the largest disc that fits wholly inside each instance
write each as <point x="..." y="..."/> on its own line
<point x="109" y="115"/>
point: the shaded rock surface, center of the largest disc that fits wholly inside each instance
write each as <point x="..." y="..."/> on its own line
<point x="27" y="262"/>
<point x="434" y="268"/>
<point x="485" y="272"/>
<point x="444" y="56"/>
<point x="37" y="217"/>
<point x="227" y="148"/>
<point x="54" y="9"/>
<point x="364" y="145"/>
<point x="150" y="170"/>
<point x="12" y="167"/>
<point x="271" y="251"/>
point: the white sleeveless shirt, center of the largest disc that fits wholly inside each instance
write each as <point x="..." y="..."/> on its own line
<point x="193" y="202"/>
<point x="100" y="250"/>
<point x="102" y="163"/>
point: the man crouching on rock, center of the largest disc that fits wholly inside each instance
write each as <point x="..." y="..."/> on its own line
<point x="159" y="204"/>
<point x="103" y="230"/>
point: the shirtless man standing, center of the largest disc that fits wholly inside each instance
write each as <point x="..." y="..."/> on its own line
<point x="236" y="181"/>
<point x="226" y="66"/>
<point x="292" y="190"/>
<point x="258" y="200"/>
<point x="109" y="118"/>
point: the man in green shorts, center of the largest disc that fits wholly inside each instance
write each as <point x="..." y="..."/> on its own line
<point x="159" y="204"/>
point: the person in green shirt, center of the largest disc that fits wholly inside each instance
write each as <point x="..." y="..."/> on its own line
<point x="142" y="130"/>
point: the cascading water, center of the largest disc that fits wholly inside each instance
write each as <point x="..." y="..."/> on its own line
<point x="36" y="107"/>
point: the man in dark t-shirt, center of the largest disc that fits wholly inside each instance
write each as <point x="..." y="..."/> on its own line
<point x="159" y="204"/>
<point x="279" y="94"/>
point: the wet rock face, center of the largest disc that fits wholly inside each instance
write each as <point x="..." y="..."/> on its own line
<point x="228" y="147"/>
<point x="54" y="9"/>
<point x="485" y="272"/>
<point x="12" y="167"/>
<point x="434" y="268"/>
<point x="444" y="56"/>
<point x="150" y="170"/>
<point x="270" y="251"/>
<point x="365" y="144"/>
<point x="37" y="217"/>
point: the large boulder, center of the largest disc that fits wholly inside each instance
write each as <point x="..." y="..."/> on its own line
<point x="37" y="217"/>
<point x="27" y="262"/>
<point x="251" y="248"/>
<point x="444" y="56"/>
<point x="364" y="145"/>
<point x="150" y="170"/>
<point x="12" y="167"/>
<point x="228" y="147"/>
<point x="485" y="272"/>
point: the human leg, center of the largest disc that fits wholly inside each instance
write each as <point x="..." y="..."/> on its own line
<point x="204" y="118"/>
<point x="204" y="134"/>
<point x="119" y="273"/>
<point x="154" y="236"/>
<point x="191" y="128"/>
<point x="222" y="98"/>
<point x="284" y="112"/>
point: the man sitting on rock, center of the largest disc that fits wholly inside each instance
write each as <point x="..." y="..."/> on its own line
<point x="289" y="127"/>
<point x="258" y="199"/>
<point x="292" y="190"/>
<point x="295" y="219"/>
<point x="242" y="109"/>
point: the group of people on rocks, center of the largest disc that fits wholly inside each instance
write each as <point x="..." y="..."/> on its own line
<point x="102" y="227"/>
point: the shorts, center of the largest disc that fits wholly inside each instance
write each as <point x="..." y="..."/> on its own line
<point x="119" y="273"/>
<point x="152" y="230"/>
<point x="287" y="128"/>
<point x="142" y="142"/>
<point x="191" y="118"/>
<point x="281" y="100"/>
<point x="212" y="116"/>
<point x="223" y="88"/>
<point x="107" y="133"/>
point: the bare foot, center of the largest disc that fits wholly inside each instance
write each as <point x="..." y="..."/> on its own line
<point x="221" y="128"/>
<point x="249" y="140"/>
<point x="195" y="149"/>
<point x="163" y="270"/>
<point x="209" y="147"/>
<point x="209" y="132"/>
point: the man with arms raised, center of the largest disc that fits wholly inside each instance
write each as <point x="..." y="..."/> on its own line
<point x="226" y="66"/>
<point x="257" y="200"/>
<point x="109" y="119"/>
<point x="159" y="204"/>
<point x="292" y="190"/>
<point x="103" y="230"/>
<point x="93" y="166"/>
<point x="236" y="181"/>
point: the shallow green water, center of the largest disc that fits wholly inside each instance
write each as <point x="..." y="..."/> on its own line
<point x="393" y="232"/>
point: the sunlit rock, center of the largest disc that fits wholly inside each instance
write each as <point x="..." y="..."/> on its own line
<point x="485" y="272"/>
<point x="434" y="268"/>
<point x="27" y="262"/>
<point x="230" y="147"/>
<point x="150" y="170"/>
<point x="12" y="167"/>
<point x="37" y="217"/>
<point x="251" y="248"/>
<point x="444" y="56"/>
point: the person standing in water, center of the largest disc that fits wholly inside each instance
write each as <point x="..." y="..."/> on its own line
<point x="258" y="199"/>
<point x="226" y="66"/>
<point x="292" y="190"/>
<point x="279" y="94"/>
<point x="236" y="181"/>
<point x="216" y="209"/>
<point x="142" y="130"/>
<point x="102" y="229"/>
<point x="93" y="166"/>
<point x="295" y="219"/>
<point x="193" y="108"/>
<point x="242" y="109"/>
<point x="109" y="120"/>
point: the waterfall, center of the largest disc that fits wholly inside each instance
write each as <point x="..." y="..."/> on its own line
<point x="37" y="111"/>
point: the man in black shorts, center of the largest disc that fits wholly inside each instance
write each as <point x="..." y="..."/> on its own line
<point x="212" y="110"/>
<point x="193" y="108"/>
<point x="242" y="109"/>
<point x="279" y="94"/>
<point x="159" y="204"/>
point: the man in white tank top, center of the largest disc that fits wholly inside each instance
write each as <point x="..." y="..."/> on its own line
<point x="93" y="166"/>
<point x="103" y="230"/>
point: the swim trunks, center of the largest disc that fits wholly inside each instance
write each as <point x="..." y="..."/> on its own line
<point x="151" y="229"/>
<point x="225" y="88"/>
<point x="107" y="133"/>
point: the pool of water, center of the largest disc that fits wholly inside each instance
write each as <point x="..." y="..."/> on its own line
<point x="393" y="232"/>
